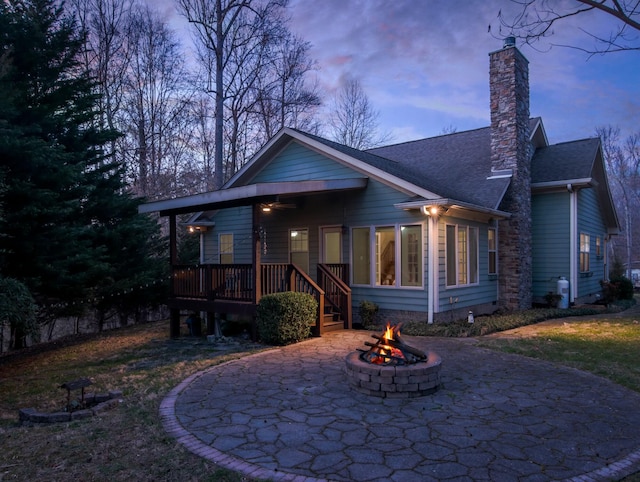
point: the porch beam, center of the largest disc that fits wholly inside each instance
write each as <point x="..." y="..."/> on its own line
<point x="250" y="194"/>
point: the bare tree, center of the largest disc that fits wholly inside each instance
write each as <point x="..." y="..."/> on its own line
<point x="157" y="99"/>
<point x="224" y="26"/>
<point x="537" y="18"/>
<point x="450" y="129"/>
<point x="106" y="26"/>
<point x="623" y="165"/>
<point x="201" y="143"/>
<point x="285" y="96"/>
<point x="352" y="120"/>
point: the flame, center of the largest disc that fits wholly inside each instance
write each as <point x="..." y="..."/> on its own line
<point x="388" y="350"/>
<point x="388" y="334"/>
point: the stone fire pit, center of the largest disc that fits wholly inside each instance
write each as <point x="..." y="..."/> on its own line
<point x="391" y="368"/>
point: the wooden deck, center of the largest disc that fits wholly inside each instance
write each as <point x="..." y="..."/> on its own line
<point x="230" y="288"/>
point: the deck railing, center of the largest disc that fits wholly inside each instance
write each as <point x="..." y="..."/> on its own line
<point x="337" y="291"/>
<point x="235" y="282"/>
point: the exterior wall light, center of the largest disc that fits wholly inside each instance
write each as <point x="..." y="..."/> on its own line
<point x="430" y="211"/>
<point x="196" y="229"/>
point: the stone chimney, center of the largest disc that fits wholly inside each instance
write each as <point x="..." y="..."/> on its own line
<point x="511" y="152"/>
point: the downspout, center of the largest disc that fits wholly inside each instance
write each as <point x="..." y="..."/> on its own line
<point x="573" y="246"/>
<point x="432" y="266"/>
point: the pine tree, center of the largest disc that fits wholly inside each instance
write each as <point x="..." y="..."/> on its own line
<point x="69" y="225"/>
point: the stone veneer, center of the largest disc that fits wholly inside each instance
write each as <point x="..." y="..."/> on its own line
<point x="394" y="381"/>
<point x="511" y="150"/>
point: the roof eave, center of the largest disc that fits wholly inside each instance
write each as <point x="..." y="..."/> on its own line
<point x="453" y="204"/>
<point x="566" y="184"/>
<point x="249" y="194"/>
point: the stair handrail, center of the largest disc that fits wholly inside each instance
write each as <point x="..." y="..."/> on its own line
<point x="344" y="308"/>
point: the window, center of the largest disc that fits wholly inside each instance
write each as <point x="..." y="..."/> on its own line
<point x="584" y="252"/>
<point x="226" y="248"/>
<point x="411" y="255"/>
<point x="462" y="255"/>
<point x="492" y="247"/>
<point x="299" y="248"/>
<point x="396" y="252"/>
<point x="598" y="248"/>
<point x="385" y="256"/>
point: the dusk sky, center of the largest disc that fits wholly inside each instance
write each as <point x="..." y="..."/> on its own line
<point x="424" y="65"/>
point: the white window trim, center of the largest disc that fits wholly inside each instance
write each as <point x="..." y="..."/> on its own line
<point x="398" y="253"/>
<point x="446" y="275"/>
<point x="291" y="230"/>
<point x="495" y="239"/>
<point x="587" y="251"/>
<point x="220" y="253"/>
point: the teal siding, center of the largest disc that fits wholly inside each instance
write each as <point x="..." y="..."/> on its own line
<point x="298" y="163"/>
<point x="551" y="244"/>
<point x="590" y="221"/>
<point x="485" y="291"/>
<point x="373" y="206"/>
<point x="232" y="220"/>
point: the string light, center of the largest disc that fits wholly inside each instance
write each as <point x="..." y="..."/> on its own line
<point x="97" y="299"/>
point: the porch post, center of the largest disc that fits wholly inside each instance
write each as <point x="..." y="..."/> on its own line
<point x="174" y="313"/>
<point x="256" y="264"/>
<point x="173" y="243"/>
<point x="256" y="261"/>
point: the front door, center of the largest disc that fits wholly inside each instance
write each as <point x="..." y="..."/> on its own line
<point x="331" y="246"/>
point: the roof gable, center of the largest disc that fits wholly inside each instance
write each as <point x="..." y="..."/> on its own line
<point x="296" y="162"/>
<point x="565" y="162"/>
<point x="572" y="165"/>
<point x="367" y="164"/>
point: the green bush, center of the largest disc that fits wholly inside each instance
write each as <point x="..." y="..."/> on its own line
<point x="624" y="287"/>
<point x="368" y="311"/>
<point x="485" y="325"/>
<point x="18" y="312"/>
<point x="285" y="318"/>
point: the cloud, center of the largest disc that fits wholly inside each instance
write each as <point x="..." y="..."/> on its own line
<point x="425" y="62"/>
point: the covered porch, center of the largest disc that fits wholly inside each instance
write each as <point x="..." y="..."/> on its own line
<point x="218" y="289"/>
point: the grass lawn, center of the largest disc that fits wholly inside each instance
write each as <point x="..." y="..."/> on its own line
<point x="125" y="443"/>
<point x="607" y="347"/>
<point x="128" y="442"/>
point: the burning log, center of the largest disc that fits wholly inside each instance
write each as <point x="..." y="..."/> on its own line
<point x="402" y="346"/>
<point x="390" y="349"/>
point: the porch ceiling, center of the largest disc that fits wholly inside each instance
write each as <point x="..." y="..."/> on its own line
<point x="249" y="194"/>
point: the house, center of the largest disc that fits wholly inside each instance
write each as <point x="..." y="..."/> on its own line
<point x="429" y="230"/>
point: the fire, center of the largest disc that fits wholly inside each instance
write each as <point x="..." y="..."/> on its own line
<point x="388" y="334"/>
<point x="391" y="349"/>
<point x="385" y="350"/>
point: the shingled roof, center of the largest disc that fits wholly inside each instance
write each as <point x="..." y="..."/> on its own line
<point x="456" y="166"/>
<point x="565" y="162"/>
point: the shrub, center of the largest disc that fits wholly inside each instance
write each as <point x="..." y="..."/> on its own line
<point x="18" y="311"/>
<point x="285" y="318"/>
<point x="552" y="299"/>
<point x="368" y="311"/>
<point x="617" y="288"/>
<point x="625" y="287"/>
<point x="485" y="325"/>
